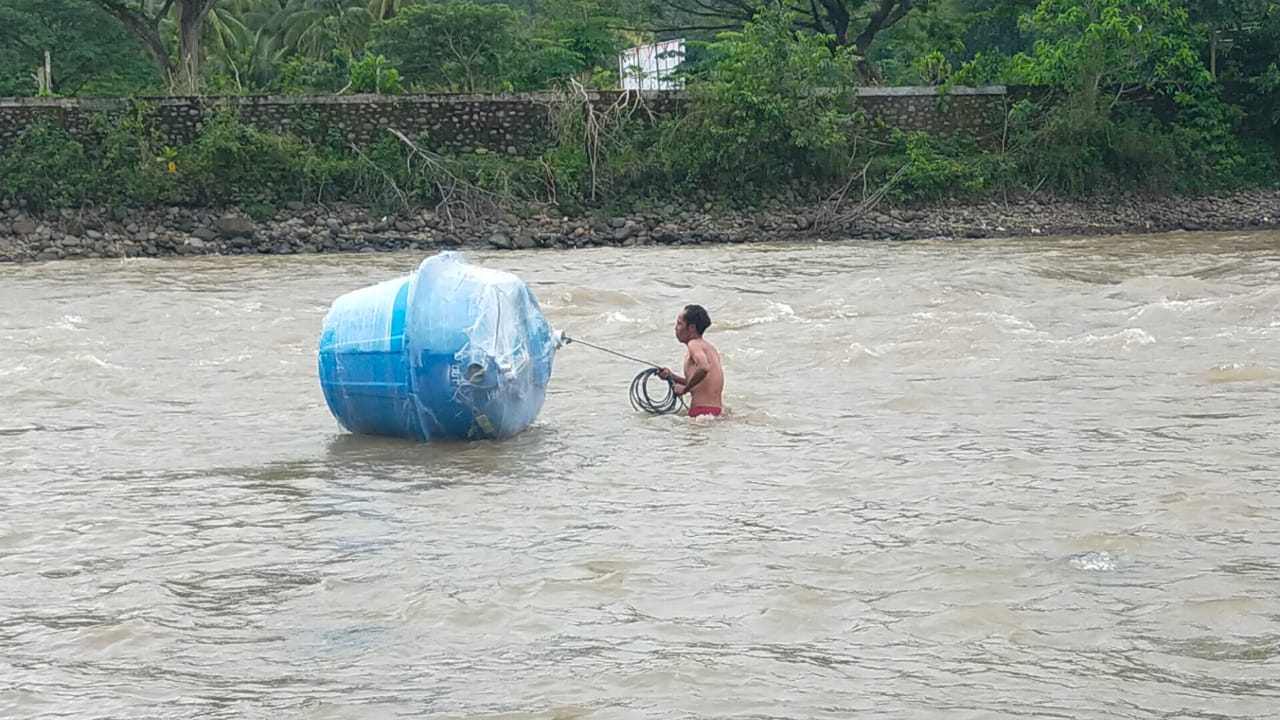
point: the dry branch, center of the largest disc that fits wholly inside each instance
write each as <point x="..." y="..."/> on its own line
<point x="831" y="215"/>
<point x="601" y="128"/>
<point x="456" y="195"/>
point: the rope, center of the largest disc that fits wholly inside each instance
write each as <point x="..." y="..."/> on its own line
<point x="640" y="397"/>
<point x="568" y="340"/>
<point x="642" y="400"/>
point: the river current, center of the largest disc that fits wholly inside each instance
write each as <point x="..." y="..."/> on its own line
<point x="1029" y="478"/>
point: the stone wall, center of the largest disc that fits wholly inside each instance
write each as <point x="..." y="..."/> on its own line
<point x="513" y="124"/>
<point x="976" y="111"/>
<point x="498" y="123"/>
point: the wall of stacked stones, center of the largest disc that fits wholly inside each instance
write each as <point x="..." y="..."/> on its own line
<point x="509" y="124"/>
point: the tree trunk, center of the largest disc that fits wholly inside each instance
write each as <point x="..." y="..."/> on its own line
<point x="886" y="15"/>
<point x="145" y="29"/>
<point x="191" y="15"/>
<point x="159" y="54"/>
<point x="836" y="20"/>
<point x="1213" y="50"/>
<point x="46" y="75"/>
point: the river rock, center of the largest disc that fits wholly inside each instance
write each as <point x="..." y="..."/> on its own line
<point x="628" y="231"/>
<point x="232" y="226"/>
<point x="501" y="240"/>
<point x="342" y="228"/>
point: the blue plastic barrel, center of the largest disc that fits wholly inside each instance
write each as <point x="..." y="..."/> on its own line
<point x="452" y="351"/>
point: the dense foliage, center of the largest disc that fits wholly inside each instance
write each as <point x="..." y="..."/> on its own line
<point x="1147" y="95"/>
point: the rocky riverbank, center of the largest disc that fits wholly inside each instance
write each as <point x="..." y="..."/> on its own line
<point x="314" y="229"/>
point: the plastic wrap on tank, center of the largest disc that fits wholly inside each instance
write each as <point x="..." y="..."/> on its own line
<point x="453" y="351"/>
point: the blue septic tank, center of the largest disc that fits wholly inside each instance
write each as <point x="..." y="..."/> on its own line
<point x="451" y="351"/>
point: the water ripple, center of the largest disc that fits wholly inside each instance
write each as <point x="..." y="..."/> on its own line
<point x="993" y="479"/>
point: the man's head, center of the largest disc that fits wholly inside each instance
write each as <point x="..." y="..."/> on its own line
<point x="692" y="322"/>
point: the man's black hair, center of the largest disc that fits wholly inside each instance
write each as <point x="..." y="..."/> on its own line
<point x="697" y="316"/>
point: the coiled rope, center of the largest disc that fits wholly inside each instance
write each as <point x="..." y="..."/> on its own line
<point x="641" y="399"/>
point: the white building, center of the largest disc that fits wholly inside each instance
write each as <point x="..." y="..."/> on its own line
<point x="648" y="67"/>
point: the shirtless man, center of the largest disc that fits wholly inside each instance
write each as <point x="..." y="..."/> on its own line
<point x="702" y="373"/>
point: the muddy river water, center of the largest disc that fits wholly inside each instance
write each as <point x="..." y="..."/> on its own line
<point x="1032" y="478"/>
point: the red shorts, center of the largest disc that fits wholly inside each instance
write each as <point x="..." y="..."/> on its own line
<point x="698" y="410"/>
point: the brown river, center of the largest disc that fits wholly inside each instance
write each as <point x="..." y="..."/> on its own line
<point x="970" y="479"/>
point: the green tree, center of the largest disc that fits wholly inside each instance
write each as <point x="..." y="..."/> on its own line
<point x="582" y="36"/>
<point x="145" y="18"/>
<point x="383" y="9"/>
<point x="1249" y="61"/>
<point x="314" y="28"/>
<point x="454" y="47"/>
<point x="1115" y="58"/>
<point x="239" y="52"/>
<point x="757" y="119"/>
<point x="1086" y="45"/>
<point x="853" y="24"/>
<point x="923" y="47"/>
<point x="1223" y="20"/>
<point x="89" y="53"/>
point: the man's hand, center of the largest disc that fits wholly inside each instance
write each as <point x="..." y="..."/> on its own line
<point x="679" y="390"/>
<point x="673" y="378"/>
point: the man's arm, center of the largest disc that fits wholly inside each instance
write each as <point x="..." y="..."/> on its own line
<point x="701" y="366"/>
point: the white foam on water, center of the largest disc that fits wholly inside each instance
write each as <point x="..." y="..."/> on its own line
<point x="858" y="353"/>
<point x="590" y="296"/>
<point x="233" y="359"/>
<point x="1239" y="372"/>
<point x="744" y="354"/>
<point x="1124" y="339"/>
<point x="69" y="322"/>
<point x="776" y="311"/>
<point x="1007" y="320"/>
<point x="1177" y="307"/>
<point x="836" y="309"/>
<point x="617" y="316"/>
<point x="13" y="370"/>
<point x="1094" y="561"/>
<point x="99" y="361"/>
